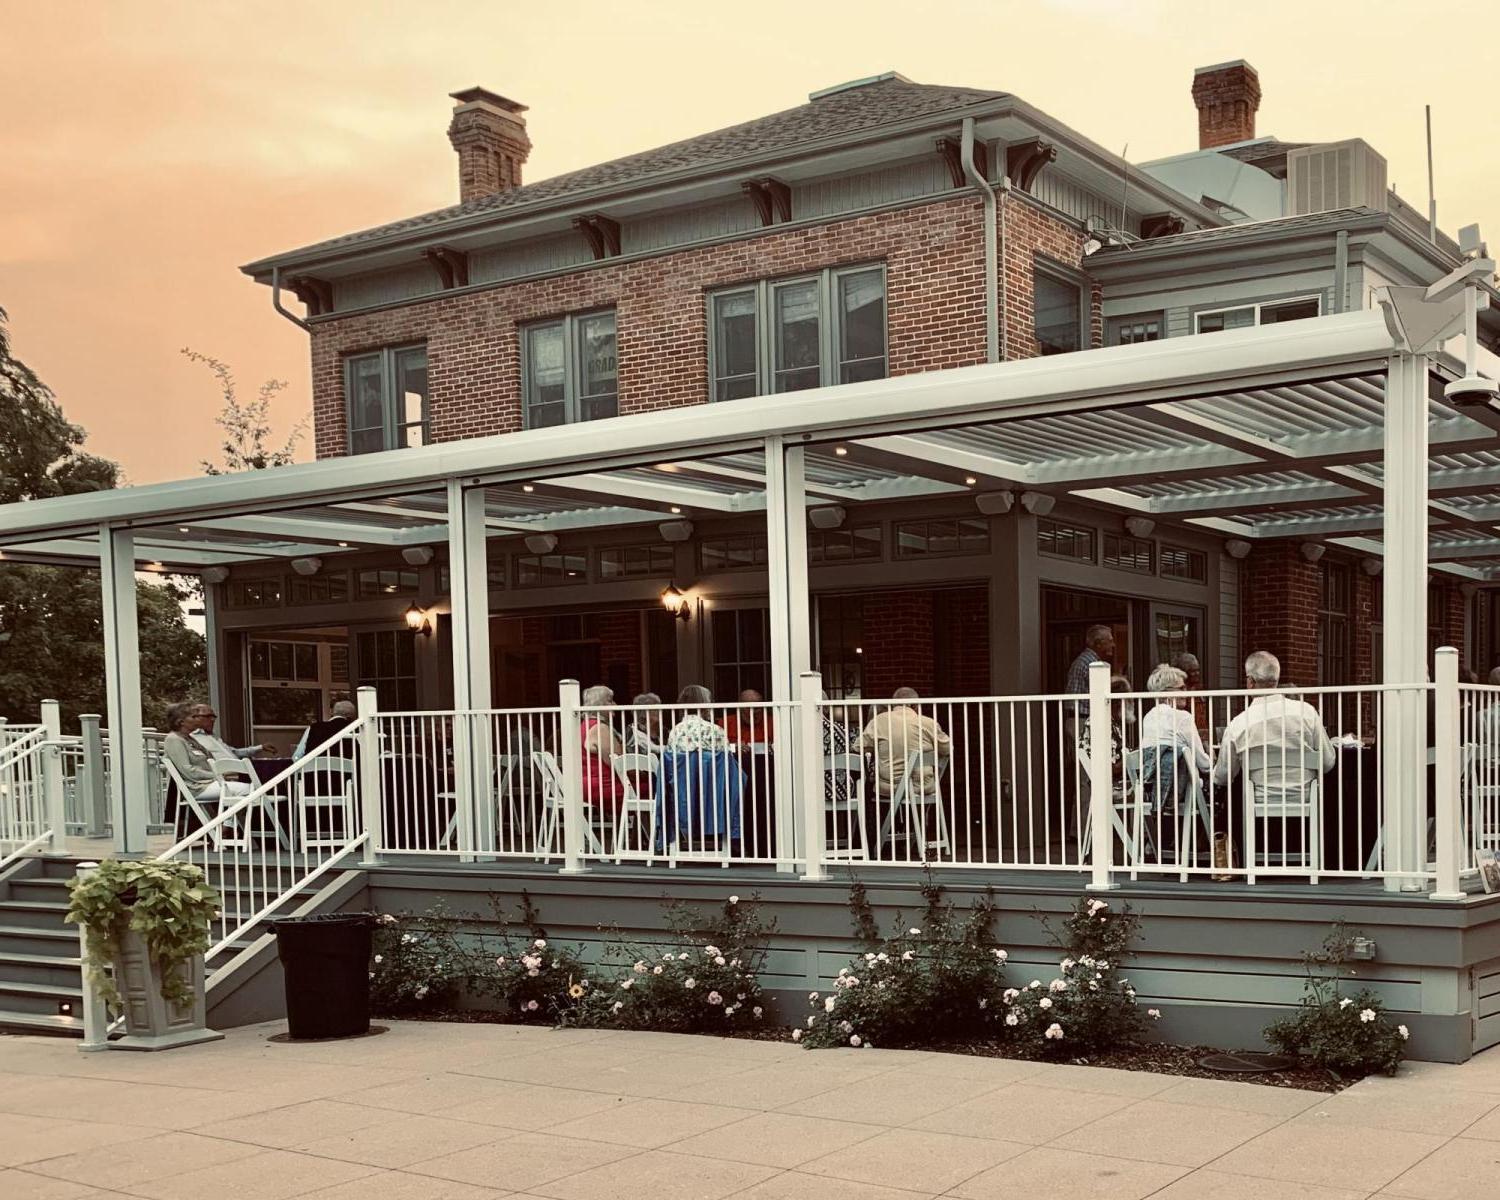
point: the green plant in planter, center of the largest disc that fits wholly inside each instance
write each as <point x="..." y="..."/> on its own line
<point x="170" y="904"/>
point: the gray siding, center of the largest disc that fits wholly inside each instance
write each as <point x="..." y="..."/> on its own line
<point x="384" y="287"/>
<point x="1054" y="188"/>
<point x="529" y="258"/>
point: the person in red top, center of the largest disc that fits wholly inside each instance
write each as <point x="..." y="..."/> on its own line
<point x="601" y="786"/>
<point x="751" y="726"/>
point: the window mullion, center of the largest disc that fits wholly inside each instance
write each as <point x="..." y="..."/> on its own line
<point x="388" y="397"/>
<point x="827" y="335"/>
<point x="765" y="338"/>
<point x="570" y="370"/>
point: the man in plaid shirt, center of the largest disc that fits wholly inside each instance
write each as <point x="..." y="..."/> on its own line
<point x="1098" y="646"/>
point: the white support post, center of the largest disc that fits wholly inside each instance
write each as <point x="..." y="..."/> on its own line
<point x="212" y="660"/>
<point x="1101" y="779"/>
<point x="1449" y="829"/>
<point x="95" y="1014"/>
<point x="92" y="780"/>
<point x="1403" y="732"/>
<point x="52" y="778"/>
<point x="573" y="815"/>
<point x="370" y="782"/>
<point x="468" y="575"/>
<point x="128" y="785"/>
<point x="790" y="624"/>
<point x="810" y="775"/>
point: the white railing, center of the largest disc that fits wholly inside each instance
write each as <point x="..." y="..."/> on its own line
<point x="261" y="844"/>
<point x="24" y="824"/>
<point x="1477" y="770"/>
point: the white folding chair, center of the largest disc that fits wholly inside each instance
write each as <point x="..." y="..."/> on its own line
<point x="904" y="796"/>
<point x="324" y="787"/>
<point x="1293" y="798"/>
<point x="844" y="789"/>
<point x="240" y="771"/>
<point x="630" y="769"/>
<point x="223" y="837"/>
<point x="1127" y="805"/>
<point x="552" y="802"/>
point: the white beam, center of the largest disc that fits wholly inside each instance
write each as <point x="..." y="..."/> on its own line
<point x="305" y="529"/>
<point x="651" y="493"/>
<point x="789" y="618"/>
<point x="129" y="810"/>
<point x="468" y="550"/>
<point x="712" y="469"/>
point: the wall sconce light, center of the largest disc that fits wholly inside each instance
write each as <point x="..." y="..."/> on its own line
<point x="676" y="602"/>
<point x="417" y="622"/>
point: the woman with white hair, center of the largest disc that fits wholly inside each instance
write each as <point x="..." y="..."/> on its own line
<point x="1170" y="722"/>
<point x="601" y="786"/>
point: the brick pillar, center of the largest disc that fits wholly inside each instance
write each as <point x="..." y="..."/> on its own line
<point x="1227" y="96"/>
<point x="1280" y="591"/>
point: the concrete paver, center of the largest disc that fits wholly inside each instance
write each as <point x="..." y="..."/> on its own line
<point x="469" y="1112"/>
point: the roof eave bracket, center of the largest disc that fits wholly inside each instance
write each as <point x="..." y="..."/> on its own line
<point x="601" y="233"/>
<point x="772" y="199"/>
<point x="1025" y="160"/>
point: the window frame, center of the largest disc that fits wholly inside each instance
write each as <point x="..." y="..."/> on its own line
<point x="1061" y="273"/>
<point x="830" y="327"/>
<point x="1114" y="326"/>
<point x="1256" y="306"/>
<point x="391" y="426"/>
<point x="572" y="326"/>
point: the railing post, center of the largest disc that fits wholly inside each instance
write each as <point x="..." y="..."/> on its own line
<point x="573" y="816"/>
<point x="92" y="783"/>
<point x="95" y="1015"/>
<point x="1101" y="778"/>
<point x="1445" y="772"/>
<point x="809" y="790"/>
<point x="369" y="772"/>
<point x="52" y="778"/>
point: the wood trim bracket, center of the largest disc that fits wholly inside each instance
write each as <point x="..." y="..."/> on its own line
<point x="772" y="199"/>
<point x="1162" y="224"/>
<point x="602" y="234"/>
<point x="452" y="266"/>
<point x="1025" y="160"/>
<point x="951" y="151"/>
<point x="317" y="294"/>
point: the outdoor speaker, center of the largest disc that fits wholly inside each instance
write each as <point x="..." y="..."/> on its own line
<point x="675" y="531"/>
<point x="214" y="574"/>
<point x="417" y="556"/>
<point x="995" y="504"/>
<point x="1140" y="527"/>
<point x="307" y="566"/>
<point x="1237" y="549"/>
<point x="1038" y="504"/>
<point x="541" y="543"/>
<point x="828" y="516"/>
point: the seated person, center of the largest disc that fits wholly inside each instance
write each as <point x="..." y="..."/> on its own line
<point x="205" y="736"/>
<point x="342" y="713"/>
<point x="1278" y="738"/>
<point x="894" y="735"/>
<point x="693" y="731"/>
<point x="192" y="763"/>
<point x="749" y="726"/>
<point x="601" y="787"/>
<point x="645" y="735"/>
<point x="1120" y="719"/>
<point x="1169" y="722"/>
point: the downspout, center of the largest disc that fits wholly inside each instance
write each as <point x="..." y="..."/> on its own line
<point x="991" y="253"/>
<point x="282" y="308"/>
<point x="1341" y="271"/>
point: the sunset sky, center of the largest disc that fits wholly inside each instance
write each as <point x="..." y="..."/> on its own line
<point x="148" y="148"/>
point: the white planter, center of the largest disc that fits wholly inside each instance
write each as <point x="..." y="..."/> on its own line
<point x="151" y="1021"/>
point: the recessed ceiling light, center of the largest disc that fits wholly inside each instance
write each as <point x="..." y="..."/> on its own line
<point x="970" y="480"/>
<point x="675" y="509"/>
<point x="182" y="529"/>
<point x="526" y="487"/>
<point x="841" y="451"/>
<point x="343" y="543"/>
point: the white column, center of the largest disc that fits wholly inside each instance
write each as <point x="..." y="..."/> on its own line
<point x="52" y="778"/>
<point x="211" y="655"/>
<point x="572" y="812"/>
<point x="469" y="596"/>
<point x="1101" y="779"/>
<point x="1403" y="733"/>
<point x="1445" y="772"/>
<point x="810" y="777"/>
<point x="791" y="641"/>
<point x="128" y="794"/>
<point x="371" y="782"/>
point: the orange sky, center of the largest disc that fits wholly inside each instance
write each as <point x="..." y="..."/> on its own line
<point x="149" y="147"/>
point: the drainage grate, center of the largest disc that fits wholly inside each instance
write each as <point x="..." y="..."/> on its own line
<point x="1247" y="1062"/>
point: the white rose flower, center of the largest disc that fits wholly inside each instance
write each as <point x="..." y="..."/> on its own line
<point x="719" y="962"/>
<point x="854" y="1039"/>
<point x="656" y="970"/>
<point x="734" y="899"/>
<point x="1058" y="985"/>
<point x="828" y="1005"/>
<point x="914" y="932"/>
<point x="907" y="955"/>
<point x="689" y="982"/>
<point x="1012" y="1019"/>
<point x="715" y="998"/>
<point x="1403" y="1031"/>
<point x="540" y="944"/>
<point x="379" y="959"/>
<point x="1366" y="1015"/>
<point x="1154" y="1013"/>
<point x="796" y="1035"/>
<point x="1054" y="1031"/>
<point x="1045" y="1002"/>
<point x="1346" y="1002"/>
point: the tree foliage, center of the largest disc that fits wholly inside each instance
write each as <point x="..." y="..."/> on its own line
<point x="246" y="424"/>
<point x="51" y="619"/>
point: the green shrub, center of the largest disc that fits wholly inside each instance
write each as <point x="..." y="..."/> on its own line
<point x="937" y="981"/>
<point x="532" y="978"/>
<point x="416" y="963"/>
<point x="704" y="981"/>
<point x="1350" y="1035"/>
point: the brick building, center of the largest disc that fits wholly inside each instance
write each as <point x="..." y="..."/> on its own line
<point x="883" y="228"/>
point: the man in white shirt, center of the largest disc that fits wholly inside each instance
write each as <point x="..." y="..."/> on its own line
<point x="1278" y="738"/>
<point x="217" y="747"/>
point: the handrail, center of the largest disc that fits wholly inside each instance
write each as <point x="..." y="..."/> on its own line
<point x="203" y="832"/>
<point x="20" y="851"/>
<point x="22" y="747"/>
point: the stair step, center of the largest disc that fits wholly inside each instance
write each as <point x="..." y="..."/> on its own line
<point x="33" y="914"/>
<point x="12" y="1021"/>
<point x="40" y="998"/>
<point x="48" y="891"/>
<point x="46" y="970"/>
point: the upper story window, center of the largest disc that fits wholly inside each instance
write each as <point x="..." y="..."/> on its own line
<point x="1143" y="327"/>
<point x="788" y="334"/>
<point x="1057" y="299"/>
<point x="1246" y="315"/>
<point x="387" y="399"/>
<point x="569" y="370"/>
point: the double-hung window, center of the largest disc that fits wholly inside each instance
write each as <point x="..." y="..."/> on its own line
<point x="1296" y="309"/>
<point x="785" y="335"/>
<point x="387" y="394"/>
<point x="1057" y="296"/>
<point x="569" y="369"/>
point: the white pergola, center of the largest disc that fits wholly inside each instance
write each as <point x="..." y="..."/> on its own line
<point x="1333" y="429"/>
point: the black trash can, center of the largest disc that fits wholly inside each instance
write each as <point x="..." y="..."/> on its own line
<point x="326" y="963"/>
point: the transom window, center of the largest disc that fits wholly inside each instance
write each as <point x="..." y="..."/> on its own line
<point x="1179" y="562"/>
<point x="387" y="399"/>
<point x="317" y="589"/>
<point x="1059" y="309"/>
<point x="843" y="545"/>
<point x="732" y="552"/>
<point x="570" y="370"/>
<point x="622" y="562"/>
<point x="936" y="538"/>
<point x="1061" y="540"/>
<point x="381" y="582"/>
<point x="788" y="334"/>
<point x="255" y="593"/>
<point x="1129" y="553"/>
<point x="551" y="570"/>
<point x="1296" y="309"/>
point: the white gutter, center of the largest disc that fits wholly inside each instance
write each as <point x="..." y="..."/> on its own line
<point x="991" y="252"/>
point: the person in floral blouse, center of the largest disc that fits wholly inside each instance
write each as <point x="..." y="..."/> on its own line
<point x="693" y="731"/>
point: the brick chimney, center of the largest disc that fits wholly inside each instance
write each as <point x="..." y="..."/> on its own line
<point x="489" y="133"/>
<point x="1227" y="95"/>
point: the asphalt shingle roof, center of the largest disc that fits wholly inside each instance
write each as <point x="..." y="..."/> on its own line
<point x="886" y="100"/>
<point x="1228" y="233"/>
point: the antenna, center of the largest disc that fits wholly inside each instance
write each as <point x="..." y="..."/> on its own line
<point x="1431" y="192"/>
<point x="1125" y="192"/>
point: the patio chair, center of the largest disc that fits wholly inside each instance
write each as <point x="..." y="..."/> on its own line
<point x="228" y="836"/>
<point x="631" y="770"/>
<point x="241" y="770"/>
<point x="1291" y="795"/>
<point x="847" y="770"/>
<point x="324" y="787"/>
<point x="913" y="803"/>
<point x="1127" y="806"/>
<point x="553" y="799"/>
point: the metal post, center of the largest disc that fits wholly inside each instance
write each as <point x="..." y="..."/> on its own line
<point x="790" y="625"/>
<point x="573" y="815"/>
<point x="810" y="776"/>
<point x="469" y="597"/>
<point x="1445" y="748"/>
<point x="212" y="659"/>
<point x="1403" y="732"/>
<point x="369" y="772"/>
<point x="92" y="782"/>
<point x="128" y="788"/>
<point x="95" y="1014"/>
<point x="1101" y="778"/>
<point x="52" y="778"/>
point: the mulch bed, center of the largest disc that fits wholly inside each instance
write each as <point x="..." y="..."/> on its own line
<point x="1159" y="1057"/>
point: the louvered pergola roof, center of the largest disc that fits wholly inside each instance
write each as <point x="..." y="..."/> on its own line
<point x="1261" y="433"/>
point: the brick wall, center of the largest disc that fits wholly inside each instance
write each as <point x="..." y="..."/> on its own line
<point x="620" y="651"/>
<point x="934" y="256"/>
<point x="937" y="641"/>
<point x="1279" y="598"/>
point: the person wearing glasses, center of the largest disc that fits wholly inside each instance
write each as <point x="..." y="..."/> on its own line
<point x="205" y="717"/>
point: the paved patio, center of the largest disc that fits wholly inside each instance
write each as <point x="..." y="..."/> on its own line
<point x="464" y="1112"/>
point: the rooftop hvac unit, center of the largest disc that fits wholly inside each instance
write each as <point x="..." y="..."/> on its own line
<point x="1335" y="175"/>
